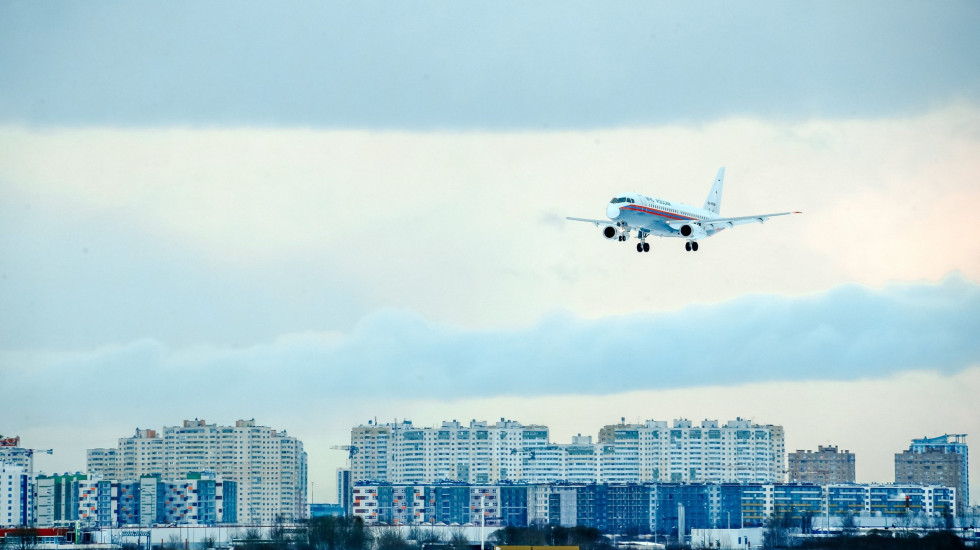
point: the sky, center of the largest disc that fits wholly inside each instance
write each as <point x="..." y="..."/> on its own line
<point x="317" y="214"/>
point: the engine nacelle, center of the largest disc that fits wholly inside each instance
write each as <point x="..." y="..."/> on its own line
<point x="615" y="233"/>
<point x="693" y="232"/>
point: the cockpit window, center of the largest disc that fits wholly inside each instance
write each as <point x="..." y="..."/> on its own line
<point x="622" y="199"/>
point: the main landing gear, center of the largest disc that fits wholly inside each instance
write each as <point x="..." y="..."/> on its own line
<point x="643" y="247"/>
<point x="691" y="246"/>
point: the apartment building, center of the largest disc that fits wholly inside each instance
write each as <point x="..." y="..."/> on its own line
<point x="643" y="508"/>
<point x="942" y="460"/>
<point x="86" y="501"/>
<point x="268" y="466"/>
<point x="508" y="451"/>
<point x="16" y="496"/>
<point x="824" y="467"/>
<point x="12" y="454"/>
<point x="477" y="452"/>
<point x="738" y="451"/>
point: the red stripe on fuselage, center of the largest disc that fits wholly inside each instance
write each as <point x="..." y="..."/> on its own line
<point x="654" y="211"/>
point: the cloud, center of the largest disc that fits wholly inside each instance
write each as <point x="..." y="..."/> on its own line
<point x="469" y="65"/>
<point x="875" y="368"/>
<point x="847" y="333"/>
<point x="234" y="236"/>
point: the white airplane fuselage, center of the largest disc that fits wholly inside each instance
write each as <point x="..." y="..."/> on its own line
<point x="652" y="216"/>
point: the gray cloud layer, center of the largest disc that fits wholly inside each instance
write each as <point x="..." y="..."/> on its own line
<point x="477" y="65"/>
<point x="850" y="332"/>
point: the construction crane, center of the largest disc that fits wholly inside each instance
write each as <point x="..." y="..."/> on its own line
<point x="14" y="442"/>
<point x="12" y="452"/>
<point x="30" y="452"/>
<point x="351" y="451"/>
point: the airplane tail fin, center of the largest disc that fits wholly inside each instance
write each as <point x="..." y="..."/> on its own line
<point x="713" y="202"/>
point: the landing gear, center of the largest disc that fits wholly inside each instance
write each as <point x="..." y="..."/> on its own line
<point x="643" y="247"/>
<point x="691" y="246"/>
<point x="646" y="247"/>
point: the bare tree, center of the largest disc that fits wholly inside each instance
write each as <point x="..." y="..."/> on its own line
<point x="458" y="540"/>
<point x="776" y="534"/>
<point x="338" y="533"/>
<point x="848" y="528"/>
<point x="390" y="538"/>
<point x="424" y="537"/>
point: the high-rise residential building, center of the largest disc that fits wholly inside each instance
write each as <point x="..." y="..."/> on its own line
<point x="11" y="453"/>
<point x="825" y="466"/>
<point x="942" y="460"/>
<point x="344" y="489"/>
<point x="16" y="496"/>
<point x="268" y="467"/>
<point x="477" y="452"/>
<point x="509" y="451"/>
<point x="737" y="451"/>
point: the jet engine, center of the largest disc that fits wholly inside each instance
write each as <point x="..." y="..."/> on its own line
<point x="610" y="232"/>
<point x="693" y="232"/>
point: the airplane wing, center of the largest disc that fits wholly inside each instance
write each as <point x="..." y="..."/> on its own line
<point x="596" y="222"/>
<point x="722" y="223"/>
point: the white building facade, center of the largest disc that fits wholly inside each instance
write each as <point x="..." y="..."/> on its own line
<point x="508" y="451"/>
<point x="477" y="452"/>
<point x="736" y="452"/>
<point x="16" y="496"/>
<point x="268" y="466"/>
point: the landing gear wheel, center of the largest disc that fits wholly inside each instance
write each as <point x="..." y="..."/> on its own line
<point x="646" y="247"/>
<point x="687" y="246"/>
<point x="639" y="247"/>
<point x="694" y="246"/>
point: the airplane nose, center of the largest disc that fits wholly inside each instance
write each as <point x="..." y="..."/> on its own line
<point x="612" y="211"/>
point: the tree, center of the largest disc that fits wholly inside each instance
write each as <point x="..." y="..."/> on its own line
<point x="586" y="538"/>
<point x="338" y="533"/>
<point x="848" y="528"/>
<point x="390" y="538"/>
<point x="278" y="535"/>
<point x="423" y="536"/>
<point x="253" y="539"/>
<point x="458" y="540"/>
<point x="776" y="534"/>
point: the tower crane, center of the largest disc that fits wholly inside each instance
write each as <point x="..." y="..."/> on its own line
<point x="351" y="451"/>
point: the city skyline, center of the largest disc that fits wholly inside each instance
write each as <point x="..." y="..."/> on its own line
<point x="320" y="214"/>
<point x="105" y="464"/>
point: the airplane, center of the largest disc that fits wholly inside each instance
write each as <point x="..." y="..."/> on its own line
<point x="648" y="216"/>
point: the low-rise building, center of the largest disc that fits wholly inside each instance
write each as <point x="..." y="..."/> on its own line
<point x="83" y="501"/>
